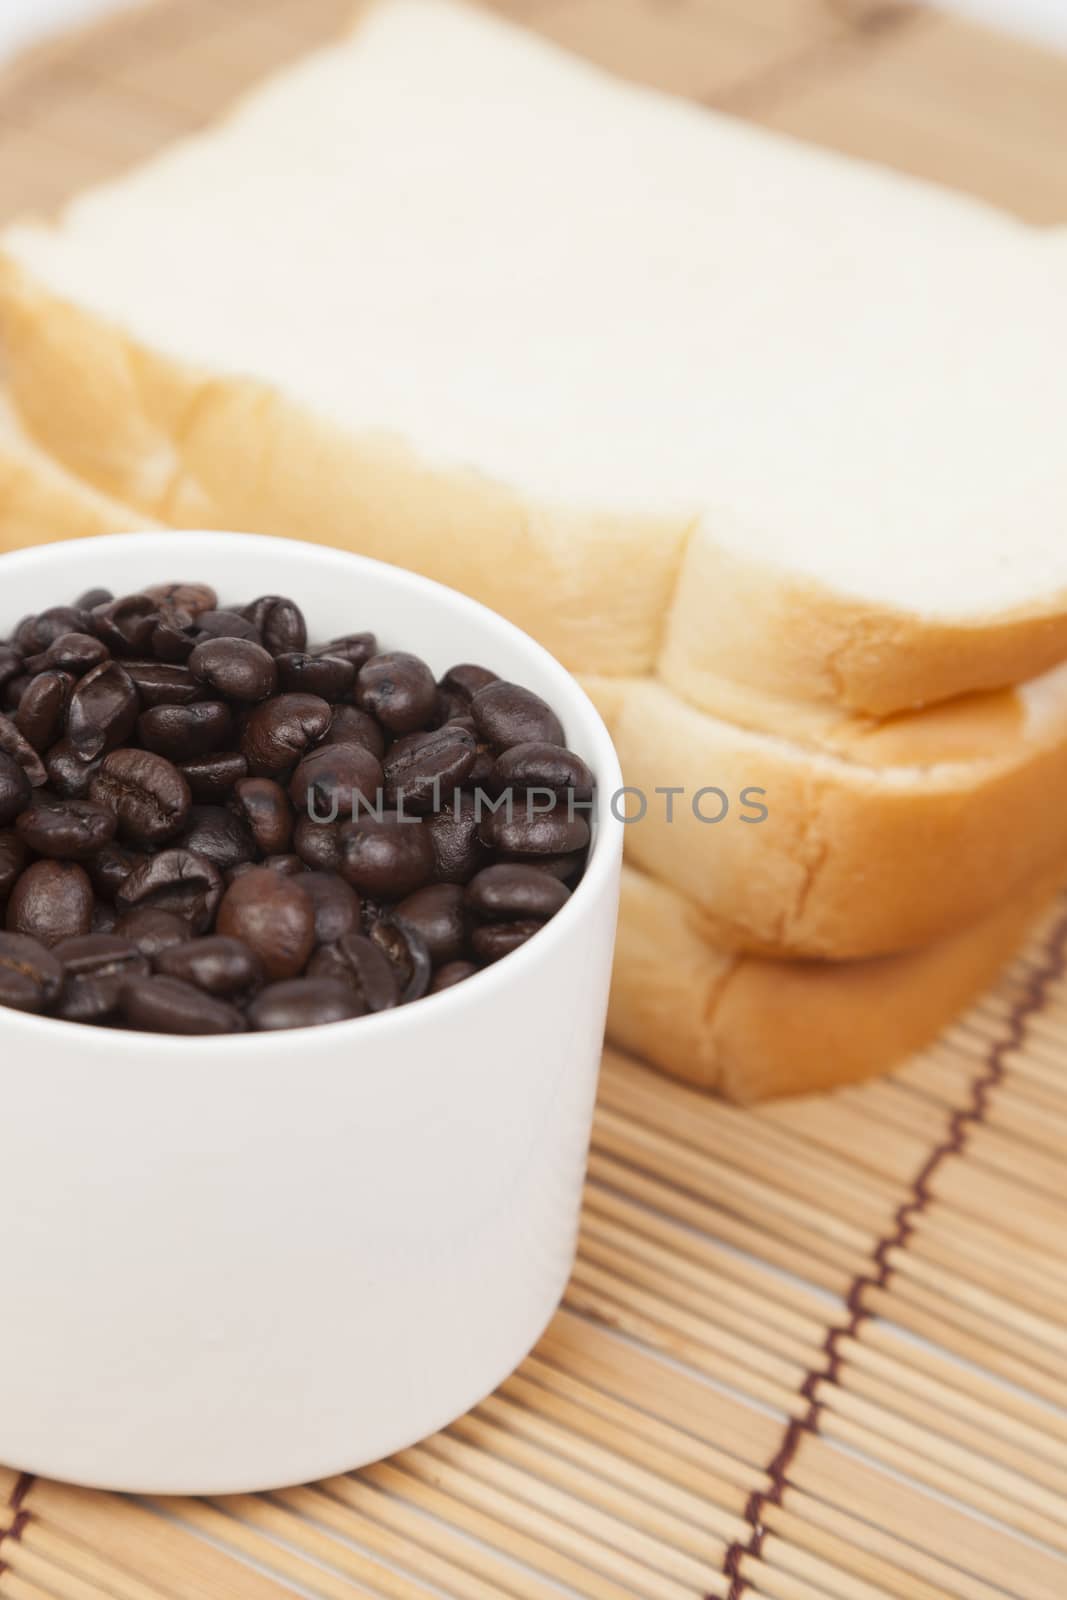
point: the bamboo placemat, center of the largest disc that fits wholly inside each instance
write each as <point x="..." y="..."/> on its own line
<point x="814" y="1352"/>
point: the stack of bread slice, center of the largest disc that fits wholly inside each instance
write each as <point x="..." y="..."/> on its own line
<point x="765" y="444"/>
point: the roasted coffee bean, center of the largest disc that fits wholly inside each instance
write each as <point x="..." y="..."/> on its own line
<point x="543" y="766"/>
<point x="387" y="855"/>
<point x="265" y="810"/>
<point x="93" y="598"/>
<point x="363" y="966"/>
<point x="164" y="683"/>
<point x="223" y="967"/>
<point x="437" y="914"/>
<point x="95" y="967"/>
<point x="328" y="676"/>
<point x="405" y="948"/>
<point x="566" y="868"/>
<point x="279" y="732"/>
<point x="236" y="669"/>
<point x="279" y="623"/>
<point x="288" y="865"/>
<point x="42" y="711"/>
<point x="338" y="908"/>
<point x="190" y="598"/>
<point x="172" y="640"/>
<point x="181" y="733"/>
<point x="167" y="1005"/>
<point x="534" y="833"/>
<point x="109" y="868"/>
<point x="303" y="1003"/>
<point x="15" y="790"/>
<point x="318" y="844"/>
<point x="212" y="778"/>
<point x="67" y="830"/>
<point x="13" y="854"/>
<point x="458" y="851"/>
<point x="11" y="664"/>
<point x="178" y="881"/>
<point x="222" y="625"/>
<point x="398" y="689"/>
<point x="13" y="744"/>
<point x="152" y="931"/>
<point x="51" y="900"/>
<point x="126" y="625"/>
<point x="275" y="918"/>
<point x="103" y="709"/>
<point x="466" y="679"/>
<point x="511" y="892"/>
<point x="350" y="725"/>
<point x="30" y="975"/>
<point x="68" y="776"/>
<point x="35" y="634"/>
<point x="331" y="781"/>
<point x="104" y="917"/>
<point x="13" y="691"/>
<point x="146" y="792"/>
<point x="355" y="647"/>
<point x="76" y="653"/>
<point x="505" y="714"/>
<point x="450" y="974"/>
<point x="492" y="940"/>
<point x="426" y="767"/>
<point x="219" y="834"/>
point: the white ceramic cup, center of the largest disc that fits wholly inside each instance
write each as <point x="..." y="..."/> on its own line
<point x="236" y="1263"/>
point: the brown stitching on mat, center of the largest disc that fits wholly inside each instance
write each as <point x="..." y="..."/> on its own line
<point x="1030" y="1003"/>
<point x="23" y="1485"/>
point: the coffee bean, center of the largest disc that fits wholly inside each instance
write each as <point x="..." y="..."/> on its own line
<point x="386" y="855"/>
<point x="163" y="683"/>
<point x="263" y="806"/>
<point x="363" y="967"/>
<point x="42" y="710"/>
<point x="337" y="906"/>
<point x="328" y="676"/>
<point x="192" y="598"/>
<point x="68" y="830"/>
<point x="303" y="1003"/>
<point x="226" y="968"/>
<point x="219" y="834"/>
<point x="318" y="844"/>
<point x="350" y="725"/>
<point x="398" y="689"/>
<point x="222" y="625"/>
<point x="104" y="917"/>
<point x="330" y="781"/>
<point x="458" y="851"/>
<point x="15" y="790"/>
<point x="109" y="868"/>
<point x="68" y="776"/>
<point x="13" y="691"/>
<point x="290" y="866"/>
<point x="178" y="881"/>
<point x="494" y="940"/>
<point x="355" y="647"/>
<point x="172" y="640"/>
<point x="236" y="669"/>
<point x="542" y="766"/>
<point x="35" y="634"/>
<point x="11" y="664"/>
<point x="126" y="625"/>
<point x="505" y="714"/>
<point x="567" y="868"/>
<point x="436" y="912"/>
<point x="466" y="679"/>
<point x="512" y="892"/>
<point x="275" y="918"/>
<point x="75" y="653"/>
<point x="213" y="777"/>
<point x="279" y="623"/>
<point x="95" y="967"/>
<point x="279" y="732"/>
<point x="93" y="598"/>
<point x="405" y="948"/>
<point x="30" y="975"/>
<point x="181" y="733"/>
<point x="167" y="1005"/>
<point x="450" y="974"/>
<point x="13" y="854"/>
<point x="423" y="768"/>
<point x="152" y="931"/>
<point x="146" y="792"/>
<point x="51" y="900"/>
<point x="534" y="833"/>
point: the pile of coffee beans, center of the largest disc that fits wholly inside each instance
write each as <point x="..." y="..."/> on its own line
<point x="207" y="825"/>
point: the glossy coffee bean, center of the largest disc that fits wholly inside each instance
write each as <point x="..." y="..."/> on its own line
<point x="406" y="950"/>
<point x="458" y="851"/>
<point x="331" y="677"/>
<point x="213" y="778"/>
<point x="274" y="916"/>
<point x="534" y="833"/>
<point x="103" y="710"/>
<point x="13" y="857"/>
<point x="41" y="716"/>
<point x="15" y="790"/>
<point x="219" y="834"/>
<point x="235" y="669"/>
<point x="512" y="892"/>
<point x="279" y="623"/>
<point x="355" y="647"/>
<point x="146" y="792"/>
<point x="567" y="868"/>
<point x="30" y="975"/>
<point x="386" y="856"/>
<point x="437" y="913"/>
<point x="223" y="967"/>
<point x="181" y="733"/>
<point x="318" y="844"/>
<point x="178" y="881"/>
<point x="163" y="683"/>
<point x="93" y="598"/>
<point x="303" y="1003"/>
<point x="547" y="767"/>
<point x="126" y="625"/>
<point x="190" y="598"/>
<point x="399" y="689"/>
<point x="222" y="625"/>
<point x="104" y="917"/>
<point x="36" y="633"/>
<point x="337" y="907"/>
<point x="51" y="900"/>
<point x="167" y="1005"/>
<point x="11" y="664"/>
<point x="505" y="714"/>
<point x="14" y="745"/>
<point x="264" y="808"/>
<point x="74" y="653"/>
<point x="152" y="931"/>
<point x="109" y="868"/>
<point x="68" y="830"/>
<point x="466" y="679"/>
<point x="331" y="781"/>
<point x="171" y="640"/>
<point x="13" y="691"/>
<point x="280" y="731"/>
<point x="350" y="725"/>
<point x="356" y="961"/>
<point x="95" y="968"/>
<point x="450" y="974"/>
<point x="493" y="940"/>
<point x="68" y="775"/>
<point x="423" y="769"/>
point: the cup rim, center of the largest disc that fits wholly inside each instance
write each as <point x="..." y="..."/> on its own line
<point x="605" y="852"/>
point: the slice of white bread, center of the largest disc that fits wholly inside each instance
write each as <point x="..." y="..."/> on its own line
<point x="752" y="1028"/>
<point x="671" y="392"/>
